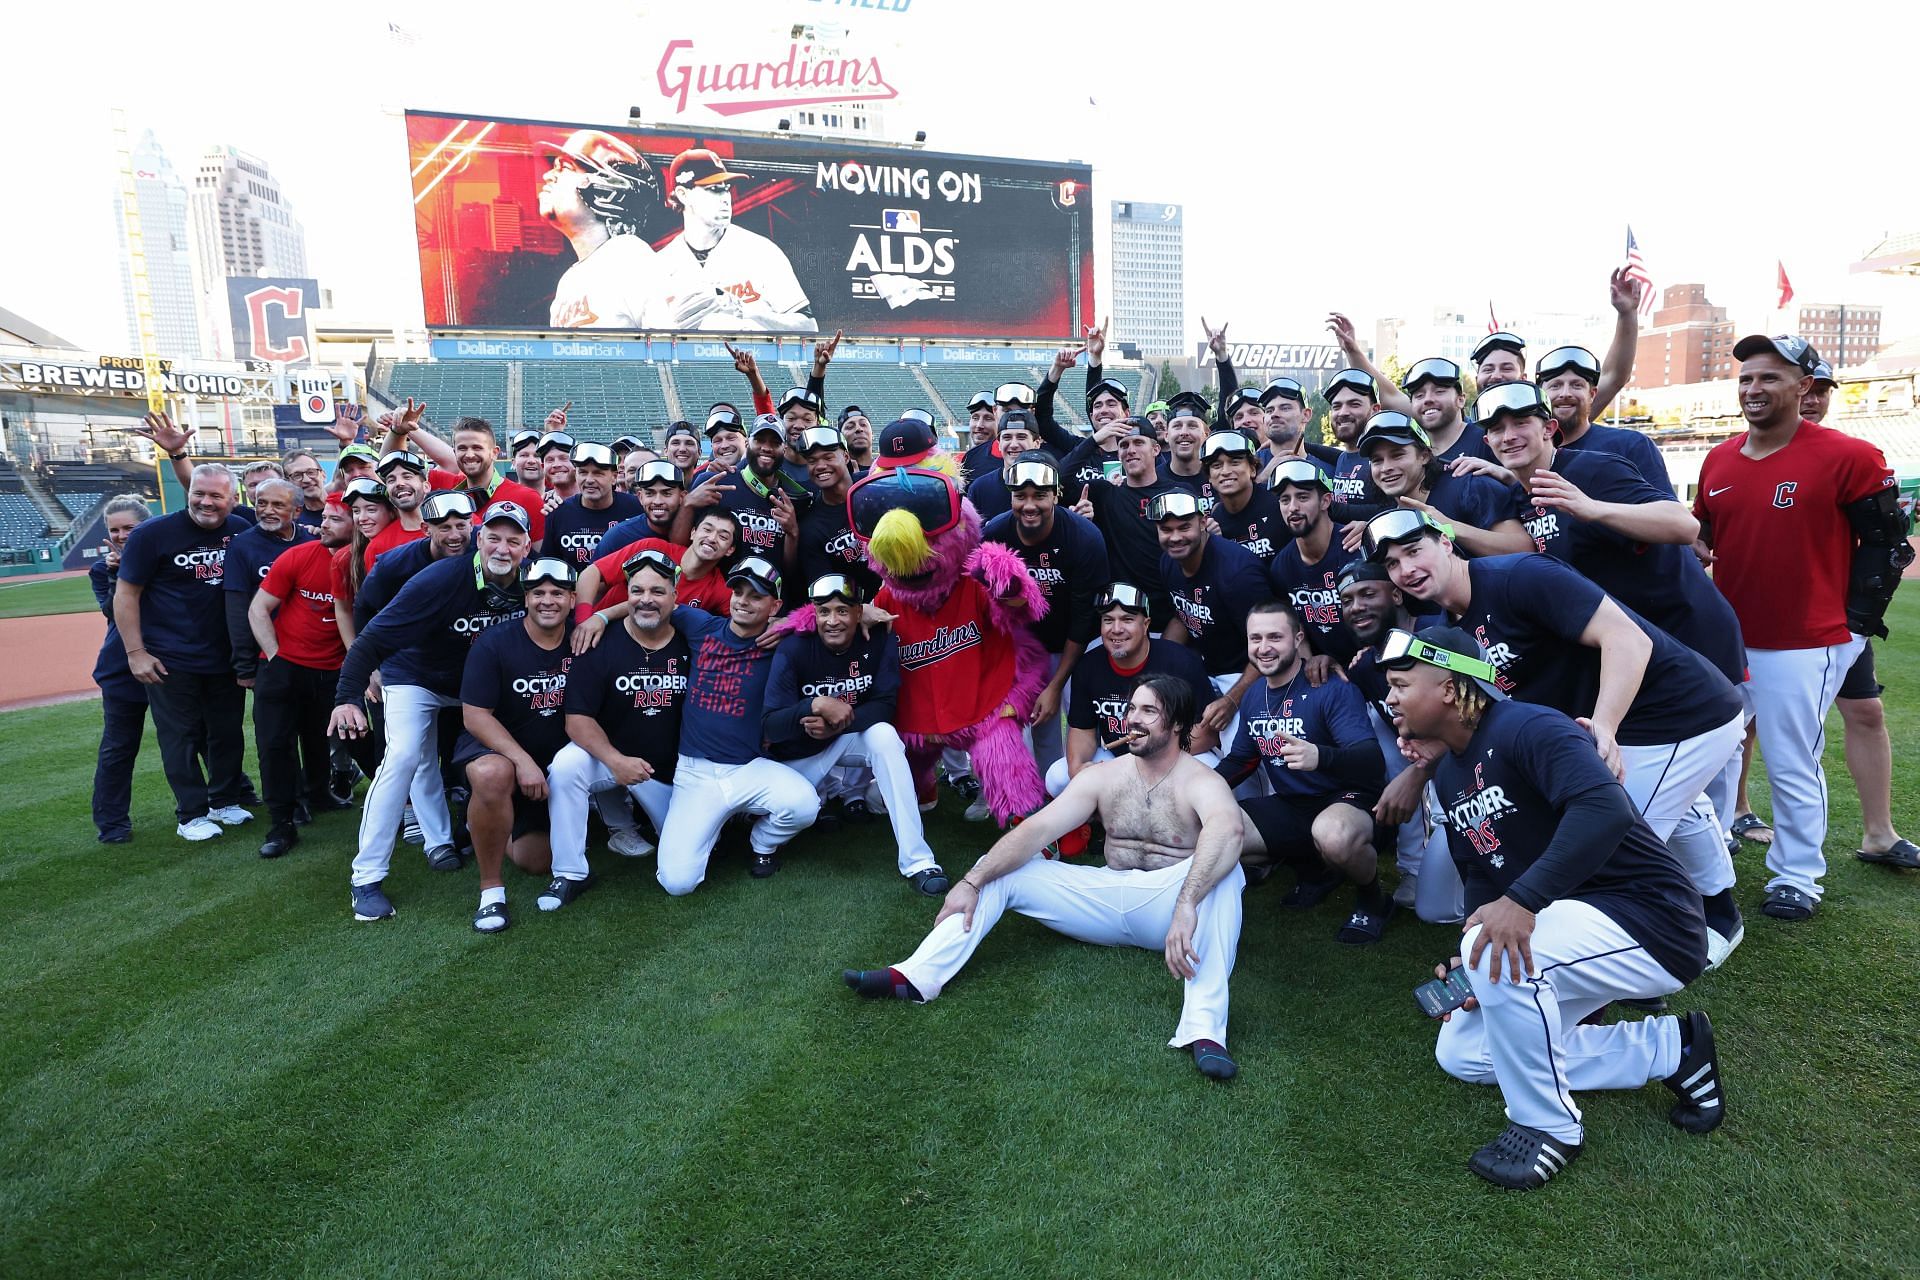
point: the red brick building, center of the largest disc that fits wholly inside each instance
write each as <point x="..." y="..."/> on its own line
<point x="1688" y="340"/>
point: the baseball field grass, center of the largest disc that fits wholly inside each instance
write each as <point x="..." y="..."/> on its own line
<point x="208" y="1069"/>
<point x="37" y="597"/>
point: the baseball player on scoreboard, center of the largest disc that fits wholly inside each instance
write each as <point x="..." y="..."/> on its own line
<point x="1572" y="902"/>
<point x="599" y="193"/>
<point x="714" y="275"/>
<point x="1803" y="529"/>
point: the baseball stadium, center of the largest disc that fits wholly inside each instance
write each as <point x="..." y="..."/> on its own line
<point x="223" y="1064"/>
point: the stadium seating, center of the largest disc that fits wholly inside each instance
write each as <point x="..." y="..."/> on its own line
<point x="883" y="390"/>
<point x="80" y="502"/>
<point x="22" y="527"/>
<point x="610" y="397"/>
<point x="700" y="385"/>
<point x="454" y="389"/>
<point x="1896" y="434"/>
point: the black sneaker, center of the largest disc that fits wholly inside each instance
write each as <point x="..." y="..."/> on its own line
<point x="340" y="785"/>
<point x="1309" y="891"/>
<point x="1703" y="1102"/>
<point x="764" y="865"/>
<point x="1367" y="923"/>
<point x="560" y="891"/>
<point x="933" y="882"/>
<point x="1521" y="1158"/>
<point x="444" y="857"/>
<point x="119" y="835"/>
<point x="280" y="841"/>
<point x="301" y="814"/>
<point x="1651" y="1005"/>
<point x="967" y="789"/>
<point x="854" y="810"/>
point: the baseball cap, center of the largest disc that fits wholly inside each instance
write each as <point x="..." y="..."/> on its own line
<point x="362" y="452"/>
<point x="803" y="398"/>
<point x="1501" y="341"/>
<point x="1510" y="399"/>
<point x="591" y="149"/>
<point x="768" y="424"/>
<point x="1792" y="348"/>
<point x="904" y="442"/>
<point x="699" y="167"/>
<point x="1288" y="387"/>
<point x="724" y="420"/>
<point x="511" y="512"/>
<point x="1448" y="648"/>
<point x="1123" y="595"/>
<point x="756" y="573"/>
<point x="1158" y="406"/>
<point x="1139" y="426"/>
<point x="554" y="440"/>
<point x="1112" y="386"/>
<point x="599" y="455"/>
<point x="681" y="428"/>
<point x="1823" y="372"/>
<point x="1432" y="369"/>
<point x="401" y="458"/>
<point x="1358" y="379"/>
<point x="1016" y="420"/>
<point x="549" y="569"/>
<point x="1361" y="571"/>
<point x="447" y="504"/>
<point x="521" y="439"/>
<point x="1561" y="359"/>
<point x="1301" y="473"/>
<point x="851" y="411"/>
<point x="1394" y="427"/>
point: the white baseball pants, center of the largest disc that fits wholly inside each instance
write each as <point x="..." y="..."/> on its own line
<point x="1108" y="907"/>
<point x="1789" y="692"/>
<point x="573" y="779"/>
<point x="878" y="747"/>
<point x="1666" y="784"/>
<point x="706" y="794"/>
<point x="1526" y="1036"/>
<point x="409" y="769"/>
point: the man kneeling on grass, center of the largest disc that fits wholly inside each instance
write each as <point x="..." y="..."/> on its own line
<point x="1172" y="878"/>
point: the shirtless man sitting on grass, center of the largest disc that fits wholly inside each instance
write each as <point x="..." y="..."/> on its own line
<point x="1172" y="879"/>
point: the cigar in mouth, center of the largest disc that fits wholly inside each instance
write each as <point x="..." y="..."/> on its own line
<point x="1120" y="741"/>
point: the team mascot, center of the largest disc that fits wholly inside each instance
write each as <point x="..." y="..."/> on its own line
<point x="970" y="666"/>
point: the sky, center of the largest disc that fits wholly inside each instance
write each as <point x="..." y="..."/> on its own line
<point x="1380" y="161"/>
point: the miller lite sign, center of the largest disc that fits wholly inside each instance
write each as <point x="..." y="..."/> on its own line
<point x="314" y="391"/>
<point x="271" y="318"/>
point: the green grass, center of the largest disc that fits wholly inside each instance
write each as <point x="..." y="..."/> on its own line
<point x="35" y="598"/>
<point x="206" y="1068"/>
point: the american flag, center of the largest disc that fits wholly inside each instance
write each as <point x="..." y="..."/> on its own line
<point x="1637" y="272"/>
<point x="1493" y="325"/>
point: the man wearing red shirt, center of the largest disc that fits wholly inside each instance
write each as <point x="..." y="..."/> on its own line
<point x="1803" y="529"/>
<point x="291" y="618"/>
<point x="469" y="464"/>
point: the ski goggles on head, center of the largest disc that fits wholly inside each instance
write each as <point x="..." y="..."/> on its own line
<point x="555" y="440"/>
<point x="1402" y="649"/>
<point x="624" y="445"/>
<point x="1031" y="475"/>
<point x="817" y="438"/>
<point x="1561" y="359"/>
<point x="1520" y="399"/>
<point x="1392" y="427"/>
<point x="549" y="569"/>
<point x="1227" y="444"/>
<point x="365" y="490"/>
<point x="659" y="471"/>
<point x="981" y="400"/>
<point x="1299" y="472"/>
<point x="401" y="458"/>
<point x="1013" y="393"/>
<point x="597" y="455"/>
<point x="447" y="504"/>
<point x="928" y="496"/>
<point x="1177" y="505"/>
<point x="756" y="573"/>
<point x="1396" y="528"/>
<point x="1123" y="595"/>
<point x="651" y="558"/>
<point x="1501" y="341"/>
<point x="1432" y="369"/>
<point x="1353" y="379"/>
<point x="1288" y="387"/>
<point x="834" y="586"/>
<point x="521" y="439"/>
<point x="1109" y="386"/>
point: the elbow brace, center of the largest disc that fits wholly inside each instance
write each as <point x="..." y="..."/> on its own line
<point x="1878" y="561"/>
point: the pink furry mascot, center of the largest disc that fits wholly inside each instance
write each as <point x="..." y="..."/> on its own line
<point x="970" y="666"/>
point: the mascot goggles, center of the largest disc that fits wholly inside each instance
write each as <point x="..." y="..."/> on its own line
<point x="1402" y="649"/>
<point x="1177" y="505"/>
<point x="1124" y="595"/>
<point x="927" y="496"/>
<point x="833" y="586"/>
<point x="549" y="569"/>
<point x="651" y="558"/>
<point x="1391" y="528"/>
<point x="446" y="504"/>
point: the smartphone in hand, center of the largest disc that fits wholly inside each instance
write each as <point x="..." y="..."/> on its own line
<point x="1443" y="995"/>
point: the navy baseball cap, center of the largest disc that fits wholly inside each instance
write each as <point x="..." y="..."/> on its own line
<point x="904" y="442"/>
<point x="1016" y="419"/>
<point x="1792" y="348"/>
<point x="1142" y="427"/>
<point x="756" y="573"/>
<point x="1823" y="372"/>
<point x="511" y="512"/>
<point x="768" y="425"/>
<point x="851" y="411"/>
<point x="1112" y="386"/>
<point x="1450" y="649"/>
<point x="682" y="429"/>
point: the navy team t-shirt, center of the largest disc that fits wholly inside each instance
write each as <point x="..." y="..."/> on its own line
<point x="1529" y="612"/>
<point x="1310" y="589"/>
<point x="1476" y="500"/>
<point x="252" y="555"/>
<point x="725" y="703"/>
<point x="1069" y="566"/>
<point x="1333" y="715"/>
<point x="1098" y="692"/>
<point x="1213" y="603"/>
<point x="182" y="570"/>
<point x="524" y="685"/>
<point x="1258" y="526"/>
<point x="636" y="694"/>
<point x="574" y="530"/>
<point x="1504" y="796"/>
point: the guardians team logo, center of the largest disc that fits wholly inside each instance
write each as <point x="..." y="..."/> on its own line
<point x="941" y="645"/>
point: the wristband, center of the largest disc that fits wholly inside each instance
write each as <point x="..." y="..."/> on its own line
<point x="602" y="615"/>
<point x="180" y="456"/>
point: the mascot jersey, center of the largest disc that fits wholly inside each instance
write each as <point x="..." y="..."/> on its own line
<point x="967" y="673"/>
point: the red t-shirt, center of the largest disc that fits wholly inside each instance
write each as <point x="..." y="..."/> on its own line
<point x="1782" y="544"/>
<point x="394" y="535"/>
<point x="340" y="583"/>
<point x="303" y="625"/>
<point x="953" y="671"/>
<point x="710" y="593"/>
<point x="504" y="490"/>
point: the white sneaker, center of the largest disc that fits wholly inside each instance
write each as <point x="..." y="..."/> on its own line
<point x="201" y="828"/>
<point x="629" y="843"/>
<point x="1404" y="892"/>
<point x="231" y="816"/>
<point x="1719" y="946"/>
<point x="978" y="811"/>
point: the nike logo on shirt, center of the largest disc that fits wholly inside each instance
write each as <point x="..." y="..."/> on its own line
<point x="1714" y="493"/>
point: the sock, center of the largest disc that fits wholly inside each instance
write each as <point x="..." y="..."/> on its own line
<point x="497" y="894"/>
<point x="1369" y="896"/>
<point x="1723" y="914"/>
<point x="1213" y="1060"/>
<point x="878" y="984"/>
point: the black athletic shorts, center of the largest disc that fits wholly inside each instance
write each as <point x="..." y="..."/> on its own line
<point x="1861" y="681"/>
<point x="529" y="816"/>
<point x="1285" y="823"/>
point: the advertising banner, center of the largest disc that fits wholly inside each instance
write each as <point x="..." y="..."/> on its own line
<point x="1308" y="363"/>
<point x="530" y="225"/>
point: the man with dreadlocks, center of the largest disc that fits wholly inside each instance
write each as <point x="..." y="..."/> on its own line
<point x="598" y="192"/>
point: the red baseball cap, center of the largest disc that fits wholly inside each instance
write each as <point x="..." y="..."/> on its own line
<point x="699" y="168"/>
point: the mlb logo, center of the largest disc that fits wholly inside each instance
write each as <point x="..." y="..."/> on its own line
<point x="900" y="220"/>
